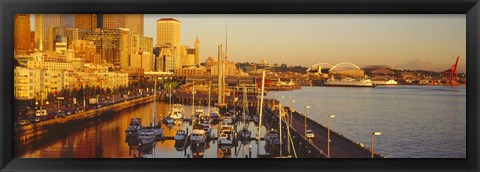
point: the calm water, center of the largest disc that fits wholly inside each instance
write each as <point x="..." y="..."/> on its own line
<point x="106" y="138"/>
<point x="415" y="121"/>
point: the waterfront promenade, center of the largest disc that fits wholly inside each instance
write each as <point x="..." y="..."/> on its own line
<point x="340" y="146"/>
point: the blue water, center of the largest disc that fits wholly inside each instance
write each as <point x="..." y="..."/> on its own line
<point x="415" y="121"/>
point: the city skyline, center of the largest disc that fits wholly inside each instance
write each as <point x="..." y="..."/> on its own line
<point x="399" y="39"/>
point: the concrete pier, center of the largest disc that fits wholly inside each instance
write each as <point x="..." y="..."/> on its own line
<point x="340" y="146"/>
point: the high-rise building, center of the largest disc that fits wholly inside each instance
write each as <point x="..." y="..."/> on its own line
<point x="53" y="32"/>
<point x="68" y="20"/>
<point x="22" y="32"/>
<point x="74" y="34"/>
<point x="126" y="47"/>
<point x="43" y="23"/>
<point x="197" y="51"/>
<point x="113" y="21"/>
<point x="134" y="22"/>
<point x="107" y="43"/>
<point x="168" y="33"/>
<point x="86" y="21"/>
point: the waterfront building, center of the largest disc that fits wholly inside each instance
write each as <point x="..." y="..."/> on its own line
<point x="191" y="70"/>
<point x="22" y="33"/>
<point x="25" y="83"/>
<point x="49" y="65"/>
<point x="29" y="83"/>
<point x="86" y="21"/>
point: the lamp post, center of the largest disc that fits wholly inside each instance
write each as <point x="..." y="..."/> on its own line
<point x="328" y="131"/>
<point x="374" y="133"/>
<point x="305" y="117"/>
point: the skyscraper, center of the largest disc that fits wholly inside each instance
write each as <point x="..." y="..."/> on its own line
<point x="113" y="21"/>
<point x="86" y="21"/>
<point x="68" y="20"/>
<point x="22" y="33"/>
<point x="134" y="22"/>
<point x="43" y="23"/>
<point x="168" y="33"/>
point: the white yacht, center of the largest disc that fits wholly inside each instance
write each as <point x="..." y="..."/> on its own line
<point x="177" y="112"/>
<point x="383" y="82"/>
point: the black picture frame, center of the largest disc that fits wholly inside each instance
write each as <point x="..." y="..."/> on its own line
<point x="469" y="7"/>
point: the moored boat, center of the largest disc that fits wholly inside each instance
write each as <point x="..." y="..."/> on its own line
<point x="134" y="127"/>
<point x="146" y="136"/>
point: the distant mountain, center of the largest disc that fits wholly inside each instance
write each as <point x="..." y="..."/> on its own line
<point x="419" y="64"/>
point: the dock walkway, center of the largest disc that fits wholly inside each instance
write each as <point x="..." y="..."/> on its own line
<point x="340" y="146"/>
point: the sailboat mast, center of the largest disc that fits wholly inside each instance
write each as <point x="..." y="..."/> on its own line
<point x="154" y="96"/>
<point x="193" y="98"/>
<point x="209" y="89"/>
<point x="261" y="111"/>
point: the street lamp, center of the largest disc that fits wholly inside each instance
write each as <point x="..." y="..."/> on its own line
<point x="328" y="131"/>
<point x="305" y="116"/>
<point x="374" y="133"/>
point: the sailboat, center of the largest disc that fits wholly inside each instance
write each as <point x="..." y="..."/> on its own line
<point x="245" y="133"/>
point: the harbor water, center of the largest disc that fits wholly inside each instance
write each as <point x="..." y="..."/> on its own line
<point x="415" y="121"/>
<point x="106" y="138"/>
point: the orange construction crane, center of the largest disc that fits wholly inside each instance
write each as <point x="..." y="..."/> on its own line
<point x="451" y="73"/>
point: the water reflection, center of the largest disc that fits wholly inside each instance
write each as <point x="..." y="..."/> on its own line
<point x="106" y="138"/>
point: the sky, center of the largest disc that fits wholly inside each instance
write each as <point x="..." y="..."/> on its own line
<point x="309" y="39"/>
<point x="320" y="38"/>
